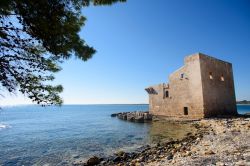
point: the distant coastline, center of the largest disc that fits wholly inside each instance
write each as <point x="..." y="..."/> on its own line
<point x="66" y="104"/>
<point x="243" y="102"/>
<point x="238" y="103"/>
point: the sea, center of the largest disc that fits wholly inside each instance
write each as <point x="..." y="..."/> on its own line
<point x="35" y="135"/>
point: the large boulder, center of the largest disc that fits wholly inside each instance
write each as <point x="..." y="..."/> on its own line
<point x="113" y="115"/>
<point x="139" y="119"/>
<point x="93" y="161"/>
<point x="147" y="117"/>
<point x="122" y="116"/>
<point x="130" y="117"/>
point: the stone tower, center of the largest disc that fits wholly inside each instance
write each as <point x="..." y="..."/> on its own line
<point x="203" y="87"/>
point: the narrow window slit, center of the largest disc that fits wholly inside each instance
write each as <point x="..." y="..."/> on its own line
<point x="185" y="110"/>
<point x="166" y="94"/>
<point x="210" y="75"/>
<point x="222" y="78"/>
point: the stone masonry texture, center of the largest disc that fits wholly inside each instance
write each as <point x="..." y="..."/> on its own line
<point x="202" y="88"/>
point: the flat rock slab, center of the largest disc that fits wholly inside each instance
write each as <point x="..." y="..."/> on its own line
<point x="138" y="116"/>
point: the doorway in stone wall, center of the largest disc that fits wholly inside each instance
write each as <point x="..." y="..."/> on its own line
<point x="185" y="110"/>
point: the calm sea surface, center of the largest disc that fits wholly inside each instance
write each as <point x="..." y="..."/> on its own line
<point x="61" y="135"/>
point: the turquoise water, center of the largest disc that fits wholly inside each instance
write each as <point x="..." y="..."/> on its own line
<point x="60" y="135"/>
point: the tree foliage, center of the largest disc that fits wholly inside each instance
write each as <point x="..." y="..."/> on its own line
<point x="35" y="37"/>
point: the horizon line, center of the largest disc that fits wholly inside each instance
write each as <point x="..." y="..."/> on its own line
<point x="28" y="104"/>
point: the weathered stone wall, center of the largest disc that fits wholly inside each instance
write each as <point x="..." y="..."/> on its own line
<point x="218" y="91"/>
<point x="187" y="91"/>
<point x="183" y="92"/>
<point x="156" y="100"/>
<point x="192" y="87"/>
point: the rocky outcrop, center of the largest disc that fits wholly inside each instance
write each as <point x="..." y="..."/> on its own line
<point x="138" y="116"/>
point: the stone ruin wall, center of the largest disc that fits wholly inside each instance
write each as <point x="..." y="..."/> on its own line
<point x="183" y="92"/>
<point x="218" y="91"/>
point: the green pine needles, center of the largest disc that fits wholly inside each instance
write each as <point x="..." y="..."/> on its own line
<point x="36" y="36"/>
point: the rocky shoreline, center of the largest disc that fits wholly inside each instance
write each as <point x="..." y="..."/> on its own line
<point x="225" y="143"/>
<point x="215" y="142"/>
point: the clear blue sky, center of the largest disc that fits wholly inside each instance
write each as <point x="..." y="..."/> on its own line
<point x="139" y="43"/>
